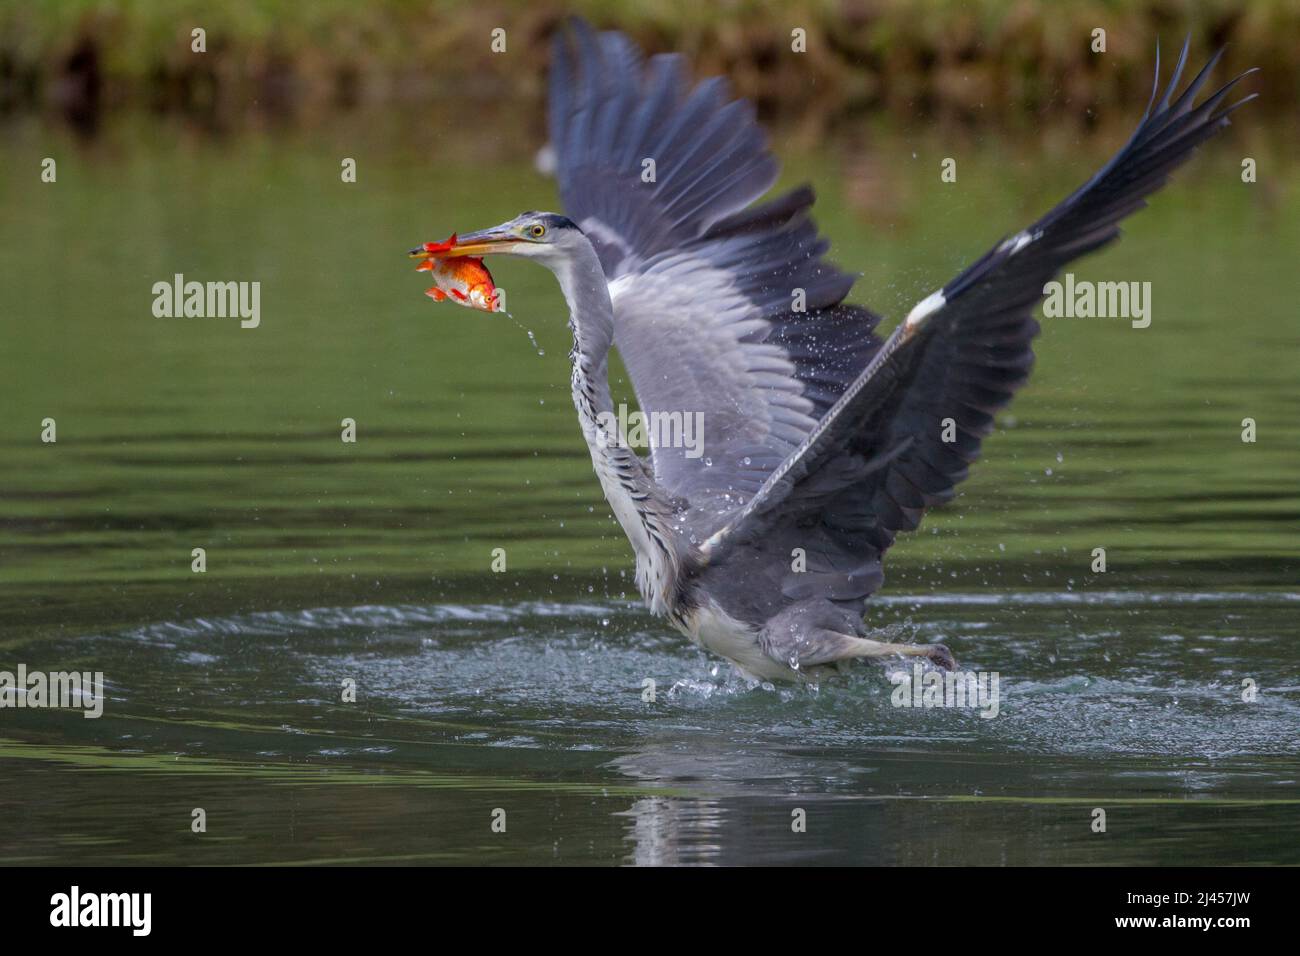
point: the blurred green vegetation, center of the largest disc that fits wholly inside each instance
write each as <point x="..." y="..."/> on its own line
<point x="1021" y="57"/>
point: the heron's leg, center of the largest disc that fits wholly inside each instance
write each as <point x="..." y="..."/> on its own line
<point x="863" y="647"/>
<point x="795" y="643"/>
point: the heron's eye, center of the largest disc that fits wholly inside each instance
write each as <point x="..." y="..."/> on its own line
<point x="537" y="230"/>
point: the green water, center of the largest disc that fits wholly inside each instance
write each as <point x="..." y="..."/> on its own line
<point x="522" y="690"/>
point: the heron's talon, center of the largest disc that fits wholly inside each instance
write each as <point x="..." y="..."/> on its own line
<point x="942" y="657"/>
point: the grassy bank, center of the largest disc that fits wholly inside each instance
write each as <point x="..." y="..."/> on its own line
<point x="978" y="56"/>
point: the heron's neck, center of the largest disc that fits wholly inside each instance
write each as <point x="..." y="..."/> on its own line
<point x="591" y="319"/>
<point x="638" y="503"/>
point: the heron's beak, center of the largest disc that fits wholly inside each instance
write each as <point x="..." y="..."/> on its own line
<point x="482" y="243"/>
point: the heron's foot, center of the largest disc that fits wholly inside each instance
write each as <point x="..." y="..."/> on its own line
<point x="941" y="657"/>
<point x="808" y="635"/>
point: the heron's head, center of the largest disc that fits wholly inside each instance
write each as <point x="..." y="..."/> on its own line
<point x="545" y="236"/>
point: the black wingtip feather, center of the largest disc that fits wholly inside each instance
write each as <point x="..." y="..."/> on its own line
<point x="970" y="357"/>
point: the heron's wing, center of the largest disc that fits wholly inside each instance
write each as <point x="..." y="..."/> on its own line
<point x="879" y="458"/>
<point x="725" y="316"/>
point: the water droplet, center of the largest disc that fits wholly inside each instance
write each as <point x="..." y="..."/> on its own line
<point x="532" y="338"/>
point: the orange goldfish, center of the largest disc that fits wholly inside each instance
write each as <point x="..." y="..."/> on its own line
<point x="460" y="279"/>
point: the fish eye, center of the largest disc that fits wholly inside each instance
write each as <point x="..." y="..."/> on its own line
<point x="537" y="230"/>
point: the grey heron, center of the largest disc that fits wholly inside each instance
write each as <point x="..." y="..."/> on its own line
<point x="823" y="440"/>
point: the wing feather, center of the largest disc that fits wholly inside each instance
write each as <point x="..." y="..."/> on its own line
<point x="723" y="309"/>
<point x="961" y="354"/>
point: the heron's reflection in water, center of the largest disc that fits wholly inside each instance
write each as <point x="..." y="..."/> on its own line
<point x="667" y="831"/>
<point x="732" y="806"/>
